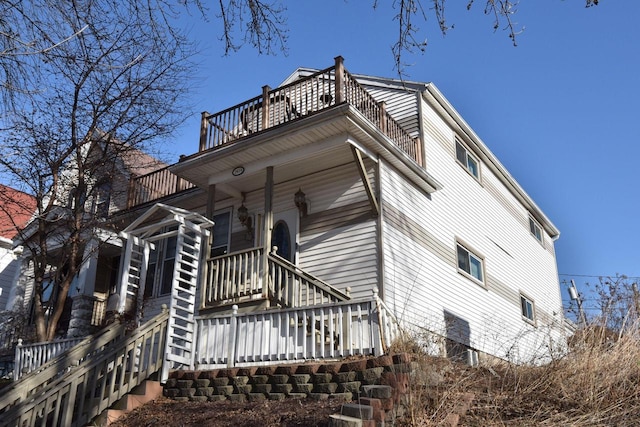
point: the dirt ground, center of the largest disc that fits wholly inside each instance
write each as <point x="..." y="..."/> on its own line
<point x="286" y="413"/>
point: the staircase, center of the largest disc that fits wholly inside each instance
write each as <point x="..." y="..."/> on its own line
<point x="86" y="380"/>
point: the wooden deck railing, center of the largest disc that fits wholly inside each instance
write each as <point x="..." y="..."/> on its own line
<point x="302" y="98"/>
<point x="233" y="276"/>
<point x="238" y="275"/>
<point x="270" y="109"/>
<point x="154" y="186"/>
<point x="79" y="384"/>
<point x="292" y="334"/>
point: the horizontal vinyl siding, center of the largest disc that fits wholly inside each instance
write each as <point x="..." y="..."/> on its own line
<point x="401" y="105"/>
<point x="338" y="238"/>
<point x="342" y="253"/>
<point x="419" y="238"/>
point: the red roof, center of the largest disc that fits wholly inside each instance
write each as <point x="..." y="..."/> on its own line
<point x="16" y="209"/>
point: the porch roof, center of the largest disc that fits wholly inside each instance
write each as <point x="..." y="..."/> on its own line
<point x="312" y="143"/>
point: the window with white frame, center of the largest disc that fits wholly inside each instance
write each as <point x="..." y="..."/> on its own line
<point x="466" y="159"/>
<point x="160" y="267"/>
<point x="527" y="308"/>
<point x="221" y="233"/>
<point x="469" y="263"/>
<point x="536" y="229"/>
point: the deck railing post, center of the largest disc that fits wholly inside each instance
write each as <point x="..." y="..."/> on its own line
<point x="339" y="79"/>
<point x="17" y="365"/>
<point x="378" y="332"/>
<point x="233" y="342"/>
<point x="382" y="108"/>
<point x="131" y="190"/>
<point x="204" y="124"/>
<point x="419" y="156"/>
<point x="265" y="106"/>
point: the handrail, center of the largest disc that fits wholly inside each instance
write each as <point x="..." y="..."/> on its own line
<point x="79" y="384"/>
<point x="233" y="276"/>
<point x="241" y="274"/>
<point x="29" y="357"/>
<point x="293" y="287"/>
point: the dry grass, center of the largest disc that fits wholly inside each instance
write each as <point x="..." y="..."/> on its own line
<point x="596" y="384"/>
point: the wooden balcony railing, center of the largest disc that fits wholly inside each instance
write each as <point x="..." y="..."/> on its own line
<point x="238" y="275"/>
<point x="302" y="98"/>
<point x="155" y="185"/>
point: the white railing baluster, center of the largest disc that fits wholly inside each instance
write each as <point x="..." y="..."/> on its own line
<point x="293" y="334"/>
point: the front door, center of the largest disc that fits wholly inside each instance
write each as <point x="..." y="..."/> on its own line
<point x="285" y="234"/>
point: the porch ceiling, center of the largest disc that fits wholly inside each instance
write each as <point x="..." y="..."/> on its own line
<point x="307" y="145"/>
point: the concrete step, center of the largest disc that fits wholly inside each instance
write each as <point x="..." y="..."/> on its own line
<point x="377" y="391"/>
<point x="355" y="410"/>
<point x="339" y="420"/>
<point x="145" y="392"/>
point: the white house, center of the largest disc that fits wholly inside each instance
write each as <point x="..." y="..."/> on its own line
<point x="364" y="184"/>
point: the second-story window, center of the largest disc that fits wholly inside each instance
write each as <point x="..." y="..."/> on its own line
<point x="466" y="159"/>
<point x="535" y="229"/>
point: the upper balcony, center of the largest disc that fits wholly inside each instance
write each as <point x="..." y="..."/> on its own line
<point x="303" y="98"/>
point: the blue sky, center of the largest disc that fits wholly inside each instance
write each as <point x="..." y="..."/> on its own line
<point x="559" y="111"/>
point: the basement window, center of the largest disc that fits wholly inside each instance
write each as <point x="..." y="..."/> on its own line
<point x="528" y="308"/>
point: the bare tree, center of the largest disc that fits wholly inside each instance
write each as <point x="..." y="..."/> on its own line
<point x="122" y="78"/>
<point x="263" y="23"/>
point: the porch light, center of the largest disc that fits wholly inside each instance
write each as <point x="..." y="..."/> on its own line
<point x="244" y="218"/>
<point x="300" y="199"/>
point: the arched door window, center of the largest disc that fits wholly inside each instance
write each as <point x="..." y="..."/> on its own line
<point x="282" y="239"/>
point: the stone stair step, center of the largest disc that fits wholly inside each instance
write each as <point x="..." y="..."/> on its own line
<point x="145" y="392"/>
<point x="355" y="410"/>
<point x="377" y="391"/>
<point x="339" y="420"/>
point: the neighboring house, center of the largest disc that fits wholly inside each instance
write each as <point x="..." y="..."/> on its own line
<point x="16" y="210"/>
<point x="88" y="294"/>
<point x="369" y="184"/>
